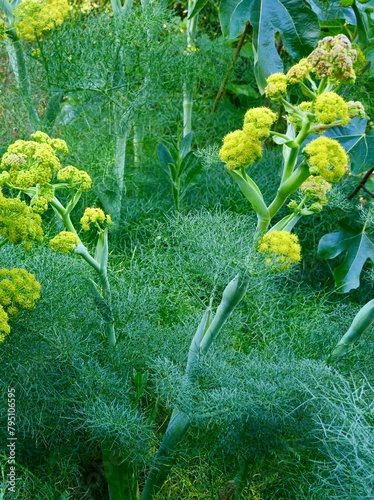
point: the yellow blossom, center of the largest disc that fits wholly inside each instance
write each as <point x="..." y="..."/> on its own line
<point x="36" y="17"/>
<point x="299" y="72"/>
<point x="241" y="148"/>
<point x="305" y="106"/>
<point x="18" y="290"/>
<point x="326" y="158"/>
<point x="18" y="222"/>
<point x="316" y="187"/>
<point x="282" y="249"/>
<point x="58" y="145"/>
<point x="277" y="86"/>
<point x="329" y="107"/>
<point x="64" y="242"/>
<point x="4" y="325"/>
<point x="94" y="216"/>
<point x="30" y="163"/>
<point x="262" y="119"/>
<point x="75" y="177"/>
<point x="3" y="30"/>
<point x="39" y="203"/>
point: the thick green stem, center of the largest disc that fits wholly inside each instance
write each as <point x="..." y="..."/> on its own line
<point x="138" y="142"/>
<point x="231" y="297"/>
<point x="163" y="461"/>
<point x="187" y="109"/>
<point x="288" y="187"/>
<point x="120" y="475"/>
<point x="188" y="86"/>
<point x="180" y="421"/>
<point x="17" y="58"/>
<point x="98" y="263"/>
<point x="176" y="193"/>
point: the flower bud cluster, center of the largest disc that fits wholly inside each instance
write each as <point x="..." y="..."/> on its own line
<point x="30" y="163"/>
<point x="75" y="178"/>
<point x="327" y="159"/>
<point x="282" y="249"/>
<point x="36" y="17"/>
<point x="316" y="187"/>
<point x="242" y="148"/>
<point x="95" y="217"/>
<point x="64" y="242"/>
<point x="18" y="222"/>
<point x="334" y="58"/>
<point x="18" y="290"/>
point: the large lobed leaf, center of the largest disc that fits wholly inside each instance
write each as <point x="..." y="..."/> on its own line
<point x="293" y="20"/>
<point x="358" y="143"/>
<point x="358" y="249"/>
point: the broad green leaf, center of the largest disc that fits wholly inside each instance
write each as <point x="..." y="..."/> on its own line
<point x="167" y="162"/>
<point x="331" y="12"/>
<point x="358" y="144"/>
<point x="194" y="170"/>
<point x="292" y="19"/>
<point x="358" y="248"/>
<point x="165" y="157"/>
<point x="369" y="55"/>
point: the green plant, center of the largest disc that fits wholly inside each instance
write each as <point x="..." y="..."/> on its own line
<point x="181" y="166"/>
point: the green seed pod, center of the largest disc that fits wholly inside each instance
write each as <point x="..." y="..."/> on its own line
<point x="363" y="319"/>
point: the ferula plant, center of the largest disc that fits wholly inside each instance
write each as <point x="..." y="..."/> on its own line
<point x="311" y="161"/>
<point x="19" y="289"/>
<point x="311" y="164"/>
<point x="32" y="169"/>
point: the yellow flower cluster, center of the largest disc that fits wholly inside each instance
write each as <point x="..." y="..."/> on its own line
<point x="3" y="30"/>
<point x="59" y="145"/>
<point x="283" y="249"/>
<point x="18" y="290"/>
<point x="30" y="163"/>
<point x="329" y="107"/>
<point x="277" y="86"/>
<point x="64" y="242"/>
<point x="299" y="72"/>
<point x="96" y="217"/>
<point x="75" y="177"/>
<point x="242" y="148"/>
<point x="36" y="17"/>
<point x="18" y="222"/>
<point x="326" y="158"/>
<point x="316" y="187"/>
<point x="333" y="58"/>
<point x="261" y="119"/>
<point x="4" y="325"/>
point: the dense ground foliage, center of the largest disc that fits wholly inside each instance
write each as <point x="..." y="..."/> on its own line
<point x="108" y="353"/>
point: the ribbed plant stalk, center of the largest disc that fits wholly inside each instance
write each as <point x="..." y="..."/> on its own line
<point x="138" y="142"/>
<point x="121" y="476"/>
<point x="99" y="263"/>
<point x="180" y="421"/>
<point x="188" y="87"/>
<point x="18" y="63"/>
